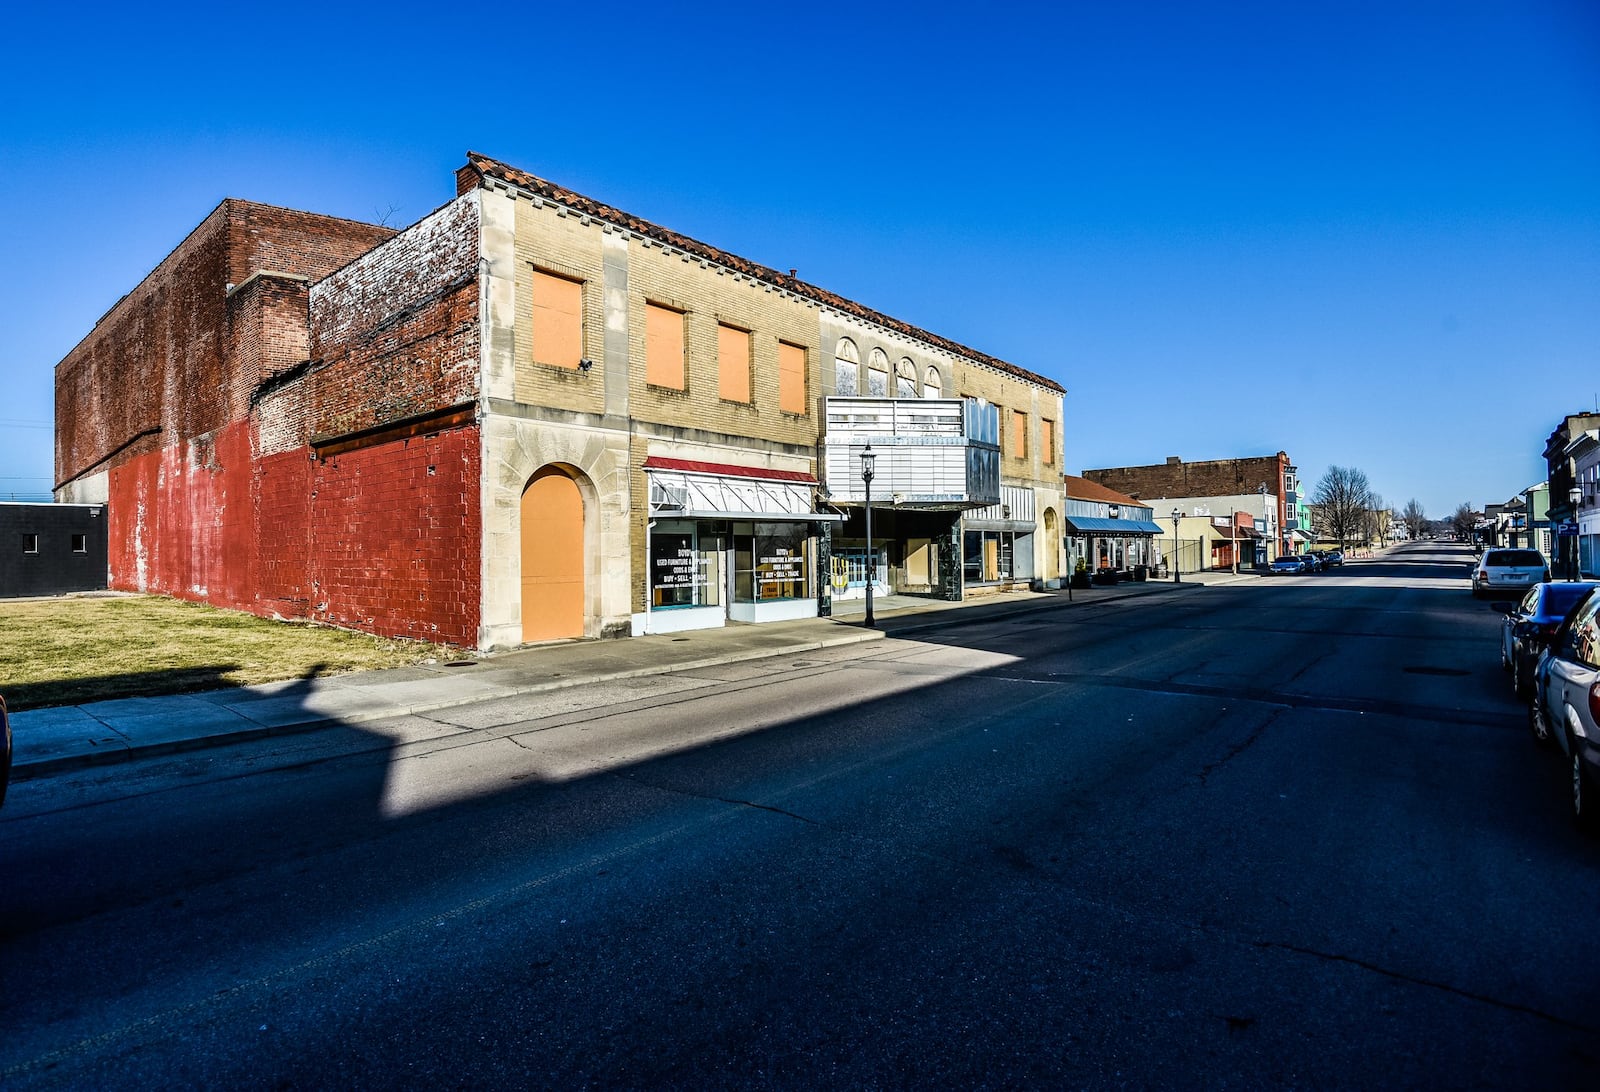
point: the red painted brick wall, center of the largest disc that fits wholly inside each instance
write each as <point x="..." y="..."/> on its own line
<point x="218" y="496"/>
<point x="182" y="520"/>
<point x="394" y="537"/>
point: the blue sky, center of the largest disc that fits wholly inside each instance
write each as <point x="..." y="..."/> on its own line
<point x="1367" y="234"/>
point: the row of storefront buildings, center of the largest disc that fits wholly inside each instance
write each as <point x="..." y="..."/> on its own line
<point x="532" y="416"/>
<point x="1559" y="516"/>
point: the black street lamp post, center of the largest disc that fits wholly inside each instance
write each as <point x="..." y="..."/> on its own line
<point x="867" y="459"/>
<point x="1177" y="514"/>
<point x="1574" y="498"/>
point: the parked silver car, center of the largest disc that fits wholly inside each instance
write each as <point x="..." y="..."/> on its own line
<point x="1508" y="570"/>
<point x="1566" y="704"/>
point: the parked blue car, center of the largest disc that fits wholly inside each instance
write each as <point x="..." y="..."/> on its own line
<point x="1291" y="564"/>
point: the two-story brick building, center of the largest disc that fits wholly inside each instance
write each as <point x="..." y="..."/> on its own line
<point x="532" y="416"/>
<point x="1272" y="479"/>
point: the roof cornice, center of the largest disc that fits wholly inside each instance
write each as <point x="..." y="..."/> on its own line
<point x="487" y="168"/>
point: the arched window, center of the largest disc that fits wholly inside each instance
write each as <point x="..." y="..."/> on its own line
<point x="846" y="368"/>
<point x="932" y="386"/>
<point x="905" y="379"/>
<point x="877" y="374"/>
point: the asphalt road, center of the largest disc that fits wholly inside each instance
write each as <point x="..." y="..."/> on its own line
<point x="1288" y="833"/>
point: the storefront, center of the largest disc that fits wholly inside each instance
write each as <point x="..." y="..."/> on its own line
<point x="914" y="552"/>
<point x="997" y="541"/>
<point x="728" y="543"/>
<point x="1107" y="543"/>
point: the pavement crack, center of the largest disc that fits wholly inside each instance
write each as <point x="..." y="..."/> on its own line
<point x="1241" y="747"/>
<point x="735" y="801"/>
<point x="1417" y="980"/>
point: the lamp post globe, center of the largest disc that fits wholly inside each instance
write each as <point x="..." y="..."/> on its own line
<point x="868" y="459"/>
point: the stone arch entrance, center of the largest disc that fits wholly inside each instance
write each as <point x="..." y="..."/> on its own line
<point x="1052" y="545"/>
<point x="552" y="557"/>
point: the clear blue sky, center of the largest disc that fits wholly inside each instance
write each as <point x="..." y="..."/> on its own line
<point x="1367" y="234"/>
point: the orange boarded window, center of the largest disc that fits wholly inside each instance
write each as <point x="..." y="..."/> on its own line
<point x="1047" y="441"/>
<point x="557" y="320"/>
<point x="733" y="364"/>
<point x="663" y="347"/>
<point x="791" y="378"/>
<point x="1019" y="434"/>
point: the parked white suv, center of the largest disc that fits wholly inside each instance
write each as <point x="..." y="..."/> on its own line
<point x="1566" y="704"/>
<point x="1508" y="570"/>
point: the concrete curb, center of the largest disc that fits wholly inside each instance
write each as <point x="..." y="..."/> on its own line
<point x="100" y="743"/>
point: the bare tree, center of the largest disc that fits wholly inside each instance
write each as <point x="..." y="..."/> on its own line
<point x="1464" y="520"/>
<point x="1414" y="518"/>
<point x="1344" y="502"/>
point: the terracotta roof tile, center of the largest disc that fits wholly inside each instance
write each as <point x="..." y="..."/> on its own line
<point x="1083" y="489"/>
<point x="491" y="168"/>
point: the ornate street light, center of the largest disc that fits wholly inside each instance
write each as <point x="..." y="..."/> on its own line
<point x="1177" y="514"/>
<point x="867" y="461"/>
<point x="1575" y="497"/>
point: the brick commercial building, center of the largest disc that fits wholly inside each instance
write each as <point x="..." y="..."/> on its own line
<point x="532" y="416"/>
<point x="1271" y="477"/>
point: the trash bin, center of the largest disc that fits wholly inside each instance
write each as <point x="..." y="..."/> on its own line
<point x="1141" y="573"/>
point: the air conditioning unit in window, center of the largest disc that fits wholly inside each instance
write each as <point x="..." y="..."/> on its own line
<point x="666" y="497"/>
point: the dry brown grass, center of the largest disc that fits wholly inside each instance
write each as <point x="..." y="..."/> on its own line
<point x="72" y="650"/>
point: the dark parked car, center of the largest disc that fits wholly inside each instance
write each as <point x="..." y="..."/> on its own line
<point x="5" y="748"/>
<point x="1333" y="558"/>
<point x="1566" y="705"/>
<point x="1531" y="623"/>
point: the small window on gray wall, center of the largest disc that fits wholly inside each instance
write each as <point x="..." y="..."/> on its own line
<point x="80" y="544"/>
<point x="30" y="542"/>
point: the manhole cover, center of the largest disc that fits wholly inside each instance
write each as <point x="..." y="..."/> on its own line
<point x="1448" y="671"/>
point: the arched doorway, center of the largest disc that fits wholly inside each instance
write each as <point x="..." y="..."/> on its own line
<point x="552" y="557"/>
<point x="1052" y="546"/>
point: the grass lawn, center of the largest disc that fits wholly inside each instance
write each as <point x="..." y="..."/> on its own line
<point x="73" y="650"/>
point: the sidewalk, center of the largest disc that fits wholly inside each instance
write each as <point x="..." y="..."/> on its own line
<point x="56" y="740"/>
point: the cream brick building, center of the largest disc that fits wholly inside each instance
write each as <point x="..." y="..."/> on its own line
<point x="531" y="416"/>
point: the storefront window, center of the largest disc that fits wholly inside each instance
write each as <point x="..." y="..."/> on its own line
<point x="685" y="566"/>
<point x="986" y="556"/>
<point x="769" y="561"/>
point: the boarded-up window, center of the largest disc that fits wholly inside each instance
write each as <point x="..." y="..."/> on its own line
<point x="663" y="347"/>
<point x="1019" y="434"/>
<point x="557" y="320"/>
<point x="1047" y="441"/>
<point x="791" y="378"/>
<point x="733" y="364"/>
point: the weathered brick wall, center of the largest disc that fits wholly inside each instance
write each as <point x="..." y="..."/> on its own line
<point x="157" y="395"/>
<point x="181" y="519"/>
<point x="1212" y="478"/>
<point x="709" y="295"/>
<point x="394" y="537"/>
<point x="395" y="334"/>
<point x="568" y="246"/>
<point x="112" y="387"/>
